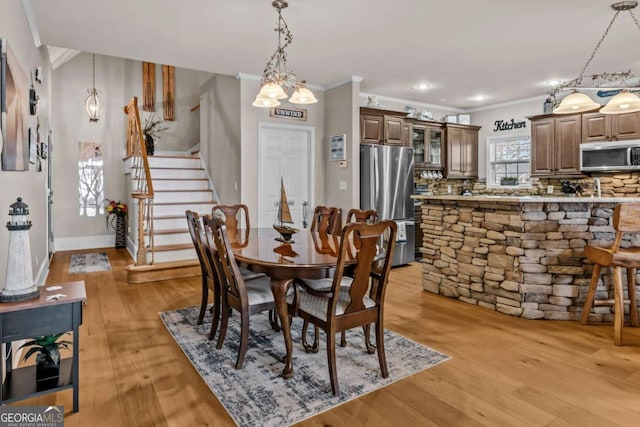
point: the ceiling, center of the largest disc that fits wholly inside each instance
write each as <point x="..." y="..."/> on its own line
<point x="504" y="49"/>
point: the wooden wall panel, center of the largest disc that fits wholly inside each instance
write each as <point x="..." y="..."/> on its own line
<point x="168" y="91"/>
<point x="148" y="86"/>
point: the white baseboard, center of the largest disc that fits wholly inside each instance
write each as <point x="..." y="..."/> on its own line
<point x="43" y="272"/>
<point x="84" y="242"/>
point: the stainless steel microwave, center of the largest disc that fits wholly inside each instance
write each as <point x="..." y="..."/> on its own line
<point x="610" y="156"/>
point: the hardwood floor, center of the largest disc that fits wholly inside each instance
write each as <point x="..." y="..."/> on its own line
<point x="504" y="371"/>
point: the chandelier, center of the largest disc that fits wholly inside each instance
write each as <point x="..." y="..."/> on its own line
<point x="93" y="104"/>
<point x="620" y="82"/>
<point x="276" y="81"/>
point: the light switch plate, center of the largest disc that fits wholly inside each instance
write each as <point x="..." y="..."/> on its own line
<point x="343" y="185"/>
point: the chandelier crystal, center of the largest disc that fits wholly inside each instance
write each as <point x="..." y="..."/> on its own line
<point x="622" y="81"/>
<point x="93" y="104"/>
<point x="276" y="81"/>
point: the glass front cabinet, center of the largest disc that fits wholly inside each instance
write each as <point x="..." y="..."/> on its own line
<point x="427" y="146"/>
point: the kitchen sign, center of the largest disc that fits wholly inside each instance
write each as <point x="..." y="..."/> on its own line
<point x="289" y="113"/>
<point x="508" y="125"/>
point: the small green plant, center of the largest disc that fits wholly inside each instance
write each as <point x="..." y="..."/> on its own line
<point x="508" y="180"/>
<point x="47" y="348"/>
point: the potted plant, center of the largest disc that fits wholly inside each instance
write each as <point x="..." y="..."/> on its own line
<point x="508" y="180"/>
<point x="117" y="211"/>
<point x="153" y="127"/>
<point x="47" y="350"/>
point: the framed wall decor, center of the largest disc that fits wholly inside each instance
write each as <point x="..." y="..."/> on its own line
<point x="14" y="111"/>
<point x="337" y="151"/>
<point x="33" y="147"/>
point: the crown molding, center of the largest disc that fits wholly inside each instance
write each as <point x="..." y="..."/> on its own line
<point x="350" y="79"/>
<point x="507" y="104"/>
<point x="31" y="22"/>
<point x="412" y="103"/>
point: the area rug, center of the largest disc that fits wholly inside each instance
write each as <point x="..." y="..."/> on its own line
<point x="256" y="395"/>
<point x="89" y="263"/>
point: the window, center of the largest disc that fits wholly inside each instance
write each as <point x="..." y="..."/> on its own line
<point x="91" y="179"/>
<point x="509" y="161"/>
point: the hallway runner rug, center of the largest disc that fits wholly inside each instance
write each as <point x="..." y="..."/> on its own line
<point x="89" y="263"/>
<point x="256" y="396"/>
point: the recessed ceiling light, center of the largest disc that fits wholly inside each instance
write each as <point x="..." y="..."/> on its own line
<point x="422" y="86"/>
<point x="479" y="97"/>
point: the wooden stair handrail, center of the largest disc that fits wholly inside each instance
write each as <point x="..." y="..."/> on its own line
<point x="143" y="187"/>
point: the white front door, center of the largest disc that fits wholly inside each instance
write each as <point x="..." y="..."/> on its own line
<point x="284" y="151"/>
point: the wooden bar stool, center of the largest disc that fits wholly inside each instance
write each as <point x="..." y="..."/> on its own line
<point x="626" y="219"/>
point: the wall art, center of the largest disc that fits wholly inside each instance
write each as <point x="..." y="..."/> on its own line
<point x="14" y="107"/>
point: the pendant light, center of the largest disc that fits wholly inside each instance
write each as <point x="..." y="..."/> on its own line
<point x="93" y="104"/>
<point x="277" y="82"/>
<point x="623" y="102"/>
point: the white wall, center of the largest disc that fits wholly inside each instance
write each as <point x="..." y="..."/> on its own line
<point x="250" y="117"/>
<point x="72" y="126"/>
<point x="487" y="118"/>
<point x="220" y="135"/>
<point x="342" y="114"/>
<point x="30" y="185"/>
<point x="117" y="81"/>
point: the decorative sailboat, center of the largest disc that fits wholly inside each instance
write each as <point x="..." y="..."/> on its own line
<point x="284" y="217"/>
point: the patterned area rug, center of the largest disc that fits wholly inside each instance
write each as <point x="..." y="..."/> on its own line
<point x="256" y="395"/>
<point x="89" y="263"/>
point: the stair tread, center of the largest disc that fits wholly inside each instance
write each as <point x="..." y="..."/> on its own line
<point x="182" y="191"/>
<point x="169" y="231"/>
<point x="175" y="179"/>
<point x="165" y="265"/>
<point x="207" y="202"/>
<point x="161" y="156"/>
<point x="174" y="247"/>
<point x="169" y="168"/>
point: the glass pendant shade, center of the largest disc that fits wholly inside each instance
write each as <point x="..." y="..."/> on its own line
<point x="265" y="102"/>
<point x="624" y="102"/>
<point x="272" y="90"/>
<point x="93" y="105"/>
<point x="576" y="103"/>
<point x="302" y="95"/>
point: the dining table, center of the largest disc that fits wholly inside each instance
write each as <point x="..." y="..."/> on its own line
<point x="308" y="255"/>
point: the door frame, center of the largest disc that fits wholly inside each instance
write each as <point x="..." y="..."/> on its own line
<point x="311" y="138"/>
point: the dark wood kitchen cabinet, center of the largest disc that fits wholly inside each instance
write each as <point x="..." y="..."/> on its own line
<point x="555" y="145"/>
<point x="462" y="151"/>
<point x="384" y="127"/>
<point x="610" y="127"/>
<point x="427" y="142"/>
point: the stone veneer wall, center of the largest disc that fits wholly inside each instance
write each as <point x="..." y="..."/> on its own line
<point x="612" y="185"/>
<point x="519" y="259"/>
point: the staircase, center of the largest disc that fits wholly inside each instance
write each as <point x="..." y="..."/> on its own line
<point x="180" y="183"/>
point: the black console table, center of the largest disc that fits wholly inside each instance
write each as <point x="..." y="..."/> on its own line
<point x="38" y="317"/>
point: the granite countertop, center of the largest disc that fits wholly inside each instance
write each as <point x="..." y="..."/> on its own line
<point x="531" y="199"/>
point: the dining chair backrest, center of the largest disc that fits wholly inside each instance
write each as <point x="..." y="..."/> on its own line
<point x="197" y="237"/>
<point x="356" y="296"/>
<point x="326" y="219"/>
<point x="359" y="215"/>
<point x="233" y="284"/>
<point x="233" y="215"/>
<point x="372" y="265"/>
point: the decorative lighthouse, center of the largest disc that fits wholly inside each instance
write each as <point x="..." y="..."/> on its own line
<point x="19" y="285"/>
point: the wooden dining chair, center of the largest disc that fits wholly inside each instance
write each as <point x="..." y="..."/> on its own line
<point x="208" y="276"/>
<point x="352" y="301"/>
<point x="246" y="297"/>
<point x="326" y="220"/>
<point x="359" y="215"/>
<point x="233" y="215"/>
<point x="626" y="219"/>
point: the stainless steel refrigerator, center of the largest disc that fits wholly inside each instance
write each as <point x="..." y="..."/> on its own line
<point x="386" y="184"/>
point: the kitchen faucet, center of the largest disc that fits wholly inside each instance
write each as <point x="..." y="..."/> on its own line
<point x="597" y="187"/>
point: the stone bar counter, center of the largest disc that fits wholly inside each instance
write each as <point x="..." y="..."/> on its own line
<point x="522" y="256"/>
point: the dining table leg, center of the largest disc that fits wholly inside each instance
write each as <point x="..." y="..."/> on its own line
<point x="279" y="289"/>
